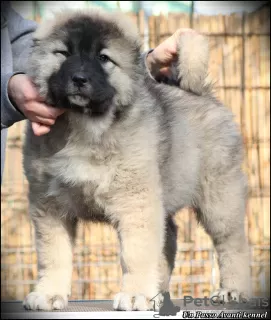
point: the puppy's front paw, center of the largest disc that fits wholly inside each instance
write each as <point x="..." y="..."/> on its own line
<point x="43" y="301"/>
<point x="126" y="302"/>
<point x="228" y="295"/>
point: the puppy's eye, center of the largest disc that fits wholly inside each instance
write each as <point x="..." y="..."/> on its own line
<point x="103" y="58"/>
<point x="62" y="52"/>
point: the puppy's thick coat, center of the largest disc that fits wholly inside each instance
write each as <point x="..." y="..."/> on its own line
<point x="130" y="152"/>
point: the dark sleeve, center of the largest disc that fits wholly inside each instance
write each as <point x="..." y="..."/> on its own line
<point x="16" y="42"/>
<point x="144" y="62"/>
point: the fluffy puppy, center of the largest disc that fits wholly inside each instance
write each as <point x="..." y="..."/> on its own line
<point x="130" y="152"/>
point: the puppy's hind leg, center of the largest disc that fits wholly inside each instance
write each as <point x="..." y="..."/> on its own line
<point x="167" y="262"/>
<point x="222" y="213"/>
<point x="54" y="241"/>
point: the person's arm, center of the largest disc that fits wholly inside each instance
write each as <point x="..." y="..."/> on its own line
<point x="16" y="34"/>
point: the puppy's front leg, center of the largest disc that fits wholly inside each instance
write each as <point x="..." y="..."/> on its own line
<point x="54" y="241"/>
<point x="139" y="214"/>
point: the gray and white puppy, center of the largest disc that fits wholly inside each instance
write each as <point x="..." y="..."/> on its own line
<point x="130" y="152"/>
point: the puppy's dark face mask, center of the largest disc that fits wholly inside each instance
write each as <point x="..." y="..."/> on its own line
<point x="82" y="81"/>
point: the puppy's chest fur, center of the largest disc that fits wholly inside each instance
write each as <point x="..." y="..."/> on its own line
<point x="80" y="180"/>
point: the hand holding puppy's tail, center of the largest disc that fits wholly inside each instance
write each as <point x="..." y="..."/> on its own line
<point x="193" y="63"/>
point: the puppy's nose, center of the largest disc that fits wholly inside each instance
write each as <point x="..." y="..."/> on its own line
<point x="79" y="79"/>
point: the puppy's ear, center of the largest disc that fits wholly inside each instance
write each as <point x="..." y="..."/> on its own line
<point x="193" y="63"/>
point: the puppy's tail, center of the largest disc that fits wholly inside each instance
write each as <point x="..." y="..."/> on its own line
<point x="193" y="62"/>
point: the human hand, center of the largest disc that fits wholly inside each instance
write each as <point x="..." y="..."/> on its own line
<point x="160" y="59"/>
<point x="25" y="96"/>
